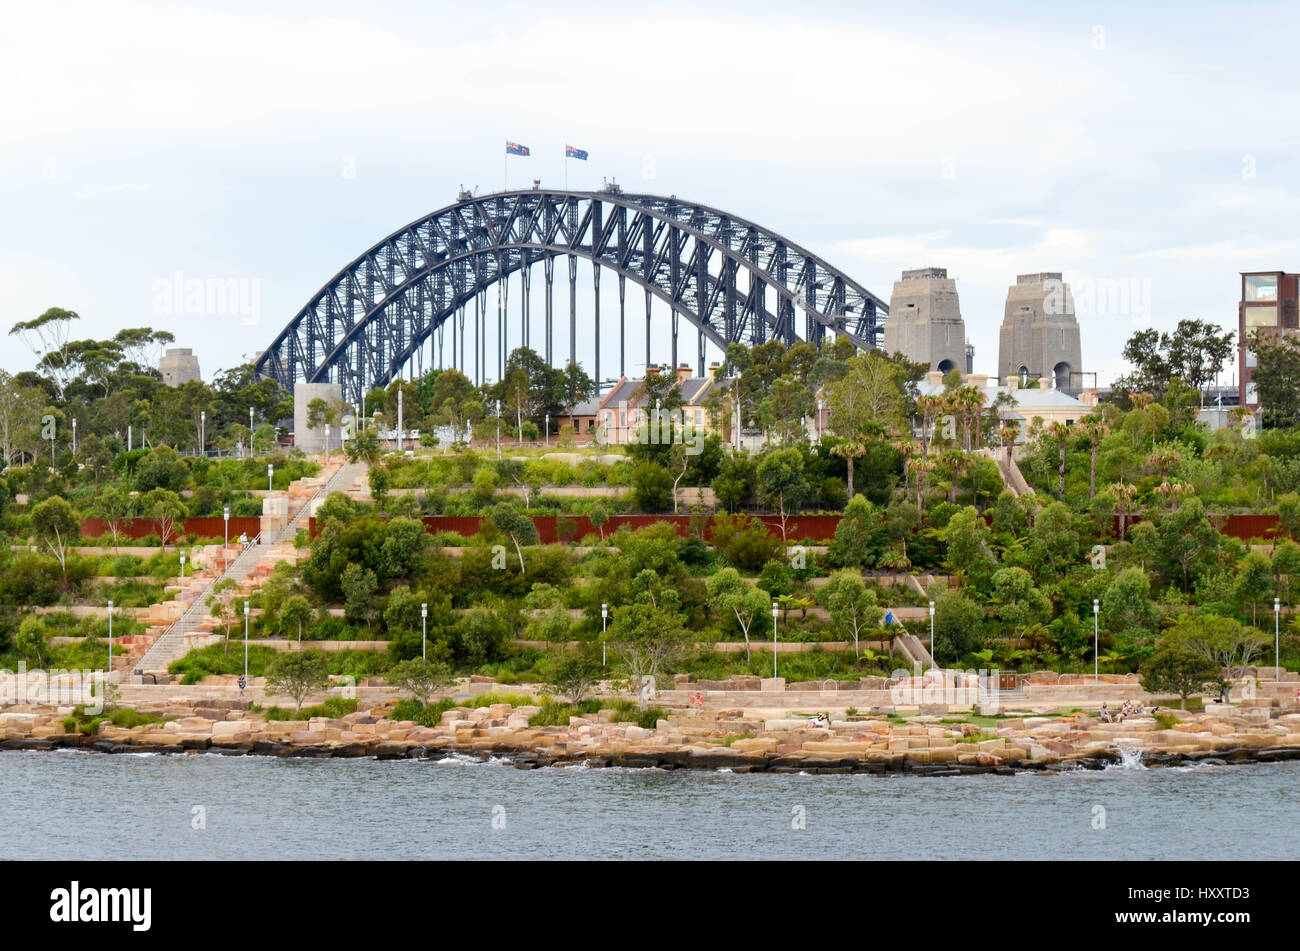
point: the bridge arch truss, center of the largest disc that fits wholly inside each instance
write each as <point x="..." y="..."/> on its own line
<point x="730" y="279"/>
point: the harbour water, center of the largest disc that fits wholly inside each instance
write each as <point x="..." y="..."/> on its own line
<point x="73" y="805"/>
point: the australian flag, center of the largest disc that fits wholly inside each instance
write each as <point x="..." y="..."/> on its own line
<point x="514" y="148"/>
<point x="571" y="152"/>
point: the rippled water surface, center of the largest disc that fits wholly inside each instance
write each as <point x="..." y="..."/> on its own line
<point x="92" y="806"/>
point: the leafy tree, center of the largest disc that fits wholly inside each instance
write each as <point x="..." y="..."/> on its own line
<point x="420" y="678"/>
<point x="1253" y="584"/>
<point x="295" y="612"/>
<point x="734" y="484"/>
<point x="511" y="521"/>
<point x="221" y="604"/>
<point x="297" y="674"/>
<point x="647" y="639"/>
<point x="957" y="622"/>
<point x="1178" y="670"/>
<point x="851" y="605"/>
<point x="1222" y="641"/>
<point x="1277" y="378"/>
<point x="859" y="537"/>
<point x="166" y="508"/>
<point x="56" y="526"/>
<point x="782" y="482"/>
<point x="652" y="487"/>
<point x="359" y="586"/>
<point x="1126" y="606"/>
<point x="730" y="595"/>
<point x="575" y="678"/>
<point x="966" y="538"/>
<point x="870" y="394"/>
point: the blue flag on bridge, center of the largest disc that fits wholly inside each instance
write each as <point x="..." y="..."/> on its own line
<point x="571" y="152"/>
<point x="514" y="148"/>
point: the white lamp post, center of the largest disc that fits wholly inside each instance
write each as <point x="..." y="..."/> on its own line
<point x="74" y="435"/>
<point x="250" y="432"/>
<point x="1096" y="610"/>
<point x="225" y="540"/>
<point x="182" y="576"/>
<point x="498" y="429"/>
<point x="327" y="445"/>
<point x="110" y="642"/>
<point x="203" y="432"/>
<point x="1277" y="640"/>
<point x="270" y="477"/>
<point x="424" y="628"/>
<point x="774" y="609"/>
<point x="548" y="430"/>
<point x="933" y="662"/>
<point x="246" y="642"/>
<point x="604" y="617"/>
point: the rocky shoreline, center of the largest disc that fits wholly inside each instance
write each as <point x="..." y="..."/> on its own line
<point x="694" y="740"/>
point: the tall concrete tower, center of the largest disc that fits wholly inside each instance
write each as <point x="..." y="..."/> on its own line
<point x="925" y="322"/>
<point x="1040" y="335"/>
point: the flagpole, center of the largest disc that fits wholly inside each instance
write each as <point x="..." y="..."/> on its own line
<point x="566" y="168"/>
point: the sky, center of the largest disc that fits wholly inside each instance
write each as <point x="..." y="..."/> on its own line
<point x="1148" y="154"/>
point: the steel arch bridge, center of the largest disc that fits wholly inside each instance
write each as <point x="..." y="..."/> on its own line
<point x="732" y="280"/>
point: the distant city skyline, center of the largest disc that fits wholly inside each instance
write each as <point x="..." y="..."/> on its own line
<point x="1131" y="150"/>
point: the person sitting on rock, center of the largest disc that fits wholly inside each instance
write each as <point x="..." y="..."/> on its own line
<point x="822" y="720"/>
<point x="1104" y="713"/>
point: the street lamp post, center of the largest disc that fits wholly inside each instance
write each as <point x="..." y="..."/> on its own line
<point x="110" y="643"/>
<point x="424" y="628"/>
<point x="498" y="429"/>
<point x="548" y="430"/>
<point x="327" y="445"/>
<point x="203" y="432"/>
<point x="245" y="642"/>
<point x="182" y="576"/>
<point x="774" y="610"/>
<point x="933" y="662"/>
<point x="1096" y="611"/>
<point x="604" y="617"/>
<point x="225" y="540"/>
<point x="74" y="435"/>
<point x="270" y="477"/>
<point x="1277" y="641"/>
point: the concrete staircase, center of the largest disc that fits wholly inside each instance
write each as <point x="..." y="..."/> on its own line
<point x="1012" y="477"/>
<point x="172" y="644"/>
<point x="913" y="651"/>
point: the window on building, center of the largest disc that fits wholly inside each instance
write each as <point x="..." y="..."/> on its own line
<point x="1259" y="317"/>
<point x="1251" y="359"/>
<point x="1261" y="287"/>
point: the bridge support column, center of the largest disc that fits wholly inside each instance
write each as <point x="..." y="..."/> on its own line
<point x="647" y="327"/>
<point x="548" y="271"/>
<point x="573" y="309"/>
<point x="700" y="336"/>
<point x="524" y="276"/>
<point x="674" y="323"/>
<point x="595" y="283"/>
<point x="622" y="325"/>
<point x="503" y="319"/>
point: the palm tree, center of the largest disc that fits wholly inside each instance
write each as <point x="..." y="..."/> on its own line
<point x="1095" y="428"/>
<point x="848" y="451"/>
<point x="1060" y="432"/>
<point x="1164" y="460"/>
<point x="1124" y="493"/>
<point x="928" y="407"/>
<point x="977" y="400"/>
<point x="919" y="468"/>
